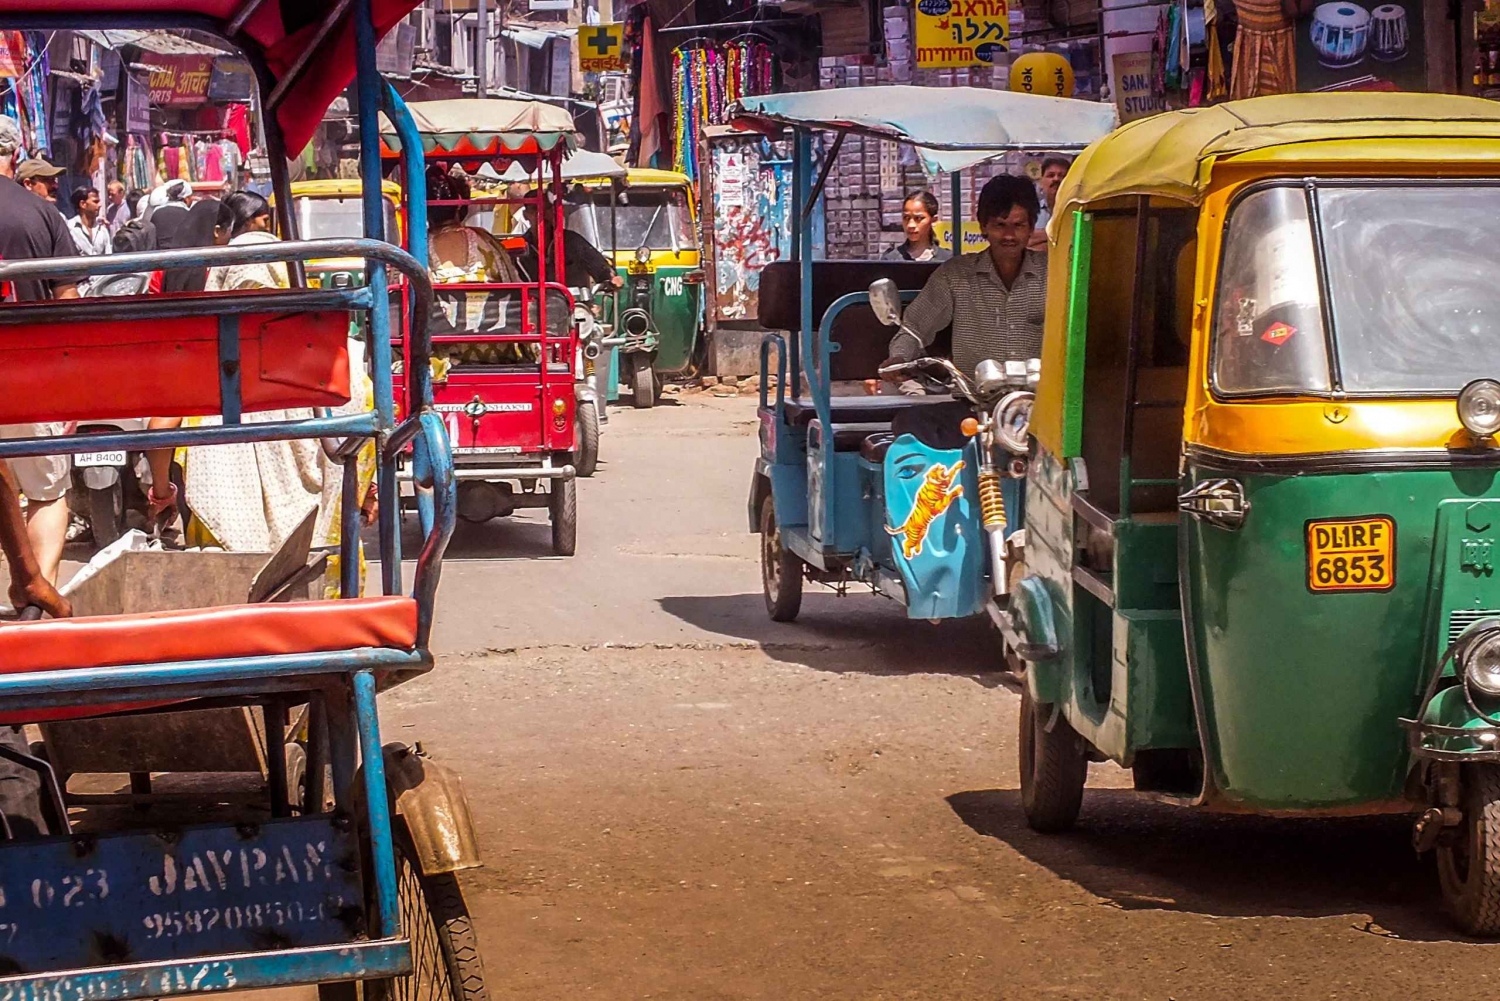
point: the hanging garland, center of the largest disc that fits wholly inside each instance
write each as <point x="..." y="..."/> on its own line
<point x="706" y="80"/>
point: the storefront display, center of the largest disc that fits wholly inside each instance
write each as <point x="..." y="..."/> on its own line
<point x="706" y="78"/>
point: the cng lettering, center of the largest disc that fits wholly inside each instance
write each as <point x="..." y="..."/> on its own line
<point x="672" y="286"/>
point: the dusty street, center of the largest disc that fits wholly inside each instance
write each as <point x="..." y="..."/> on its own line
<point x="680" y="799"/>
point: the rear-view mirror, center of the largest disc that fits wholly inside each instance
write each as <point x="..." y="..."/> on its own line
<point x="885" y="301"/>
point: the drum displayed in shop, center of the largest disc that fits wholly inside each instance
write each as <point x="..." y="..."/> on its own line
<point x="1391" y="37"/>
<point x="1340" y="34"/>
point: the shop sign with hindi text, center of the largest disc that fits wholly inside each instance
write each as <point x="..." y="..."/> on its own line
<point x="957" y="33"/>
<point x="179" y="80"/>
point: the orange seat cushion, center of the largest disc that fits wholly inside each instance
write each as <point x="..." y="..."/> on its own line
<point x="262" y="630"/>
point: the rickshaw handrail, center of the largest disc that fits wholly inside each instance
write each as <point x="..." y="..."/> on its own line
<point x="191" y="678"/>
<point x="162" y="307"/>
<point x="363" y="425"/>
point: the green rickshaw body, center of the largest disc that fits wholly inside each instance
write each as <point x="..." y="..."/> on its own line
<point x="1256" y="519"/>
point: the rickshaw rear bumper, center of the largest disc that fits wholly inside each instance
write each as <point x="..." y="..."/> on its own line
<point x="208" y="974"/>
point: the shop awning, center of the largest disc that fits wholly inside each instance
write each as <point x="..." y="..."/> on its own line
<point x="583" y="165"/>
<point x="163" y="43"/>
<point x="314" y="40"/>
<point x="1171" y="155"/>
<point x="485" y="127"/>
<point x="952" y="128"/>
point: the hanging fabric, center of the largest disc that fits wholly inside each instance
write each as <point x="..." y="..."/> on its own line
<point x="706" y="80"/>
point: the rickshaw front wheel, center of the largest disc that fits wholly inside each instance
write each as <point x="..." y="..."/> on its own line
<point x="586" y="457"/>
<point x="563" y="505"/>
<point x="780" y="569"/>
<point x="1054" y="765"/>
<point x="1469" y="866"/>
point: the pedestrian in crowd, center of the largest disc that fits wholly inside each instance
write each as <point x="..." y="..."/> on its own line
<point x="117" y="212"/>
<point x="198" y="230"/>
<point x="1054" y="169"/>
<point x="40" y="178"/>
<point x="993" y="299"/>
<point x="133" y="202"/>
<point x="918" y="213"/>
<point x="90" y="235"/>
<point x="31" y="228"/>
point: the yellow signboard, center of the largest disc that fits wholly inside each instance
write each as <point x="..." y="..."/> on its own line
<point x="942" y="235"/>
<point x="953" y="33"/>
<point x="601" y="48"/>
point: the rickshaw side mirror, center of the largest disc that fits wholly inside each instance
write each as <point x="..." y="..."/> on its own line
<point x="885" y="301"/>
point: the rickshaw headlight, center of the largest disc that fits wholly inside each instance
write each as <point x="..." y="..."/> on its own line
<point x="1482" y="664"/>
<point x="643" y="255"/>
<point x="1479" y="407"/>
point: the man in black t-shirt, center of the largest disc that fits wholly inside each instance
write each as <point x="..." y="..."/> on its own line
<point x="30" y="228"/>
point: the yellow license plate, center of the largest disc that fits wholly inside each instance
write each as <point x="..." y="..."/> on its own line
<point x="1351" y="554"/>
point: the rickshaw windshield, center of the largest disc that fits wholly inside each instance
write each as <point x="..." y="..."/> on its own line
<point x="584" y="218"/>
<point x="326" y="218"/>
<point x="1413" y="290"/>
<point x="656" y="218"/>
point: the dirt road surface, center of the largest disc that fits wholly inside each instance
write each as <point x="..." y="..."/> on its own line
<point x="679" y="799"/>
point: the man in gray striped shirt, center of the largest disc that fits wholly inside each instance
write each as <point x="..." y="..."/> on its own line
<point x="994" y="299"/>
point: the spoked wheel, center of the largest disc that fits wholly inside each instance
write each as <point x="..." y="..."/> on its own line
<point x="563" y="504"/>
<point x="1054" y="766"/>
<point x="586" y="454"/>
<point x="643" y="383"/>
<point x="780" y="569"/>
<point x="444" y="949"/>
<point x="1469" y="866"/>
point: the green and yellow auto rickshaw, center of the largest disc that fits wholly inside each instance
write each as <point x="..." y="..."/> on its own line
<point x="1264" y="495"/>
<point x="330" y="209"/>
<point x="652" y="224"/>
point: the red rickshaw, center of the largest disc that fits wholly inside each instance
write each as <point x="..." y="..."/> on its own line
<point x="503" y="352"/>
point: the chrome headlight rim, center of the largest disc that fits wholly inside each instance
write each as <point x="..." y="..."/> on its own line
<point x="1476" y="654"/>
<point x="1011" y="421"/>
<point x="1478" y="408"/>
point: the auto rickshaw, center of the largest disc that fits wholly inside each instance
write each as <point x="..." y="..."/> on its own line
<point x="656" y="248"/>
<point x="346" y="871"/>
<point x="504" y="353"/>
<point x="331" y="208"/>
<point x="1263" y="489"/>
<point x="858" y="486"/>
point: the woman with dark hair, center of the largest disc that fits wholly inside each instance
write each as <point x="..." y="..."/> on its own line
<point x="456" y="252"/>
<point x="243" y="219"/>
<point x="918" y="212"/>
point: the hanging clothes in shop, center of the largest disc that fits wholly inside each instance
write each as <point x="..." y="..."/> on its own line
<point x="1265" y="58"/>
<point x="706" y="78"/>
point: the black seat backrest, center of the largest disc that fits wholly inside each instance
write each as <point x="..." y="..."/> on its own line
<point x="862" y="339"/>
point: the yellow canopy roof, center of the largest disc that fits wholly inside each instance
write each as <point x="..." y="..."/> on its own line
<point x="1171" y="155"/>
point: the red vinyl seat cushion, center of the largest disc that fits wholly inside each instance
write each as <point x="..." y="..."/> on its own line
<point x="261" y="630"/>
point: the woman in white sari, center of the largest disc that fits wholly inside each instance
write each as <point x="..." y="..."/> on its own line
<point x="250" y="496"/>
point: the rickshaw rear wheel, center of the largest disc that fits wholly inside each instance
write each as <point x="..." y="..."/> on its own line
<point x="1054" y="765"/>
<point x="1469" y="867"/>
<point x="446" y="965"/>
<point x="563" y="504"/>
<point x="780" y="569"/>
<point x="643" y="384"/>
<point x="586" y="458"/>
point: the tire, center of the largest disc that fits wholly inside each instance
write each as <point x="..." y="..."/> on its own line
<point x="643" y="383"/>
<point x="1469" y="867"/>
<point x="586" y="455"/>
<point x="1053" y="769"/>
<point x="780" y="569"/>
<point x="563" y="503"/>
<point x="446" y="964"/>
<point x="107" y="513"/>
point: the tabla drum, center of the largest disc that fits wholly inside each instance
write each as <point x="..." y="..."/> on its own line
<point x="1388" y="24"/>
<point x="1340" y="34"/>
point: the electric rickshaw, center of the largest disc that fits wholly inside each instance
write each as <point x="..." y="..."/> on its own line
<point x="854" y="483"/>
<point x="503" y="353"/>
<point x="1263" y="489"/>
<point x="335" y="863"/>
<point x="652" y="224"/>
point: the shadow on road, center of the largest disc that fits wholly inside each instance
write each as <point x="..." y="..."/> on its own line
<point x="1143" y="855"/>
<point x="498" y="539"/>
<point x="859" y="633"/>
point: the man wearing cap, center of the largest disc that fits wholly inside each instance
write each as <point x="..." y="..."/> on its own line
<point x="30" y="228"/>
<point x="40" y="178"/>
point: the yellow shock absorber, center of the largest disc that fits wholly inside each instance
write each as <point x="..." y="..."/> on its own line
<point x="991" y="501"/>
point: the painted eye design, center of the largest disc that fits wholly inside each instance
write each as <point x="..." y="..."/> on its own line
<point x="909" y="472"/>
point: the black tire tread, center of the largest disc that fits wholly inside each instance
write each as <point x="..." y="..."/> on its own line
<point x="103" y="522"/>
<point x="586" y="460"/>
<point x="1052" y="782"/>
<point x="1475" y="902"/>
<point x="563" y="507"/>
